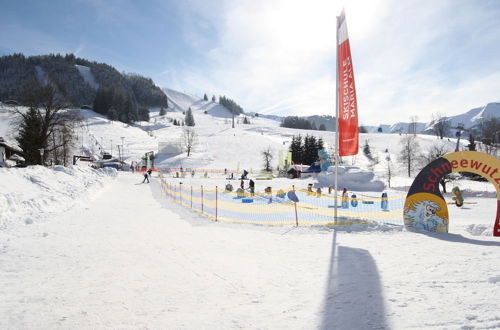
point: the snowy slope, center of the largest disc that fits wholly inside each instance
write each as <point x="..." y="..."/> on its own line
<point x="87" y="75"/>
<point x="179" y="101"/>
<point x="81" y="248"/>
<point x="219" y="146"/>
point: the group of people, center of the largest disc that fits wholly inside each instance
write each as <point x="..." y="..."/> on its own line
<point x="251" y="186"/>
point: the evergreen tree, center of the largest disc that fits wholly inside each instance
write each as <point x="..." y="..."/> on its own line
<point x="189" y="119"/>
<point x="310" y="151"/>
<point x="296" y="149"/>
<point x="205" y="97"/>
<point x="112" y="114"/>
<point x="319" y="144"/>
<point x="322" y="127"/>
<point x="162" y="111"/>
<point x="30" y="131"/>
<point x="103" y="100"/>
<point x="230" y="105"/>
<point x="143" y="114"/>
<point x="213" y="98"/>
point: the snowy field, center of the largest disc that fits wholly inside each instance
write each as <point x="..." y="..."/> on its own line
<point x="125" y="257"/>
<point x="81" y="248"/>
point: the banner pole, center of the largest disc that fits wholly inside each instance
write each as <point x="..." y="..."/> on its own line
<point x="336" y="118"/>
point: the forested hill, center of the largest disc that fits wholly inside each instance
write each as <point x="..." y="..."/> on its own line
<point x="76" y="79"/>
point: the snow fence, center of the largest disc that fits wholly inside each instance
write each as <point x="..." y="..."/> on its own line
<point x="275" y="208"/>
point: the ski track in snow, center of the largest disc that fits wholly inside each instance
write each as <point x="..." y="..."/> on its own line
<point x="132" y="259"/>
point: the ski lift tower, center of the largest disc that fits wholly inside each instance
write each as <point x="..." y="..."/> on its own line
<point x="460" y="128"/>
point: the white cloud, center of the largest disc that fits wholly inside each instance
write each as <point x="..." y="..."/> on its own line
<point x="278" y="56"/>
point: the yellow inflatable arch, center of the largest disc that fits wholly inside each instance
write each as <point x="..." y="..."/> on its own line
<point x="425" y="207"/>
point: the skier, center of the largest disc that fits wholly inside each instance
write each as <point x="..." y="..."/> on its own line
<point x="149" y="173"/>
<point x="251" y="185"/>
<point x="146" y="177"/>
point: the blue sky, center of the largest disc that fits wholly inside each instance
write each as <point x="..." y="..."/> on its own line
<point x="411" y="58"/>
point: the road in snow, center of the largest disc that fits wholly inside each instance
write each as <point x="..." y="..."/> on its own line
<point x="131" y="259"/>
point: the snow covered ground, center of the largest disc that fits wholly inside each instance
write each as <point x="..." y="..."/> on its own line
<point x="81" y="248"/>
<point x="133" y="259"/>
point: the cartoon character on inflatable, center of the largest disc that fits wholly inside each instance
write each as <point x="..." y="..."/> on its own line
<point x="425" y="207"/>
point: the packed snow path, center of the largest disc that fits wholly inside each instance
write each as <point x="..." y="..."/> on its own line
<point x="132" y="259"/>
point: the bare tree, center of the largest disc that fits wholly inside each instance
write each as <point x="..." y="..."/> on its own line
<point x="45" y="119"/>
<point x="489" y="131"/>
<point x="410" y="153"/>
<point x="267" y="157"/>
<point x="441" y="125"/>
<point x="189" y="139"/>
<point x="435" y="151"/>
<point x="412" y="127"/>
<point x="388" y="168"/>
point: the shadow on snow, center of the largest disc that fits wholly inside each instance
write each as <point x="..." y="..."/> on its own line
<point x="354" y="298"/>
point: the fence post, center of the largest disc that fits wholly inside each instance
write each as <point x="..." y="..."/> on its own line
<point x="191" y="196"/>
<point x="180" y="193"/>
<point x="216" y="190"/>
<point x="295" y="205"/>
<point x="201" y="199"/>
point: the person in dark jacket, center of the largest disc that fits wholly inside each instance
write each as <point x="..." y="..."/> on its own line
<point x="146" y="177"/>
<point x="251" y="185"/>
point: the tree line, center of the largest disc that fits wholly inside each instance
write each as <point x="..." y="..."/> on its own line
<point x="124" y="96"/>
<point x="230" y="105"/>
<point x="301" y="123"/>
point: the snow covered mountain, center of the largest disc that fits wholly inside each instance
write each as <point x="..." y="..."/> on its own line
<point x="471" y="118"/>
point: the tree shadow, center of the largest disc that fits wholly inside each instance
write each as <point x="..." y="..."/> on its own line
<point x="455" y="238"/>
<point x="354" y="298"/>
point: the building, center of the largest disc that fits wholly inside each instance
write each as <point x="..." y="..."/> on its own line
<point x="9" y="155"/>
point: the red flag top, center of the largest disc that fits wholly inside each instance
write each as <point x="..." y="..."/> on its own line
<point x="348" y="107"/>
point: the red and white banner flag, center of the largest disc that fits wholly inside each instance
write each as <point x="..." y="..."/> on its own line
<point x="348" y="107"/>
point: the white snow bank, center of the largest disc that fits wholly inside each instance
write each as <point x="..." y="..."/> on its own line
<point x="352" y="178"/>
<point x="30" y="193"/>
